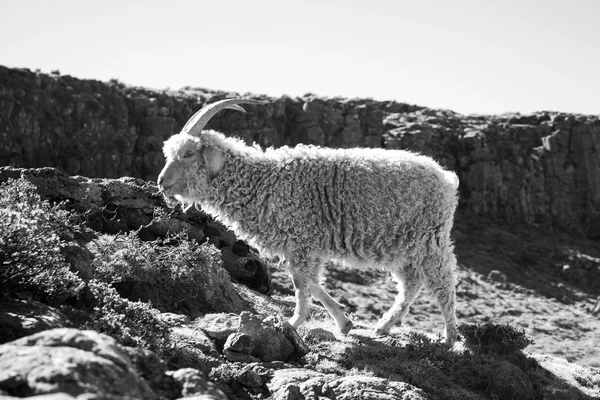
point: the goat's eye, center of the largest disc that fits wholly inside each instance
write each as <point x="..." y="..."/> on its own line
<point x="188" y="154"/>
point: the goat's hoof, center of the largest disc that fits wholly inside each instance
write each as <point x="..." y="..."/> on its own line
<point x="449" y="342"/>
<point x="381" y="332"/>
<point x="295" y="322"/>
<point x="344" y="329"/>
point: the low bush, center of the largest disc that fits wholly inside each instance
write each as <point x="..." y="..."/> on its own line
<point x="494" y="339"/>
<point x="168" y="272"/>
<point x="171" y="260"/>
<point x="131" y="323"/>
<point x="32" y="234"/>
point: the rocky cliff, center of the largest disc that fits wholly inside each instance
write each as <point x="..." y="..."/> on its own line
<point x="541" y="169"/>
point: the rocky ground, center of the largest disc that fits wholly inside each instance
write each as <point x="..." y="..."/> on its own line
<point x="515" y="276"/>
<point x="222" y="340"/>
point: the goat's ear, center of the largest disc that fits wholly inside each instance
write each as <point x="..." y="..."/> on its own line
<point x="214" y="160"/>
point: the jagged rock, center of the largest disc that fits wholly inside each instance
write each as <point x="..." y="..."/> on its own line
<point x="290" y="392"/>
<point x="248" y="336"/>
<point x="191" y="383"/>
<point x="298" y="383"/>
<point x="270" y="343"/>
<point x="195" y="337"/>
<point x="579" y="269"/>
<point x="175" y="320"/>
<point x="239" y="347"/>
<point x="370" y="388"/>
<point x="20" y="318"/>
<point x="218" y="327"/>
<point x="308" y="381"/>
<point x="253" y="375"/>
<point x="191" y="347"/>
<point x="122" y="205"/>
<point x="273" y="338"/>
<point x="70" y="361"/>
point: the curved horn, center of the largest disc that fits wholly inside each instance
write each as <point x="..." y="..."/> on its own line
<point x="195" y="124"/>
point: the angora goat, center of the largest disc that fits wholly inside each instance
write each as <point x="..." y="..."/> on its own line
<point x="367" y="208"/>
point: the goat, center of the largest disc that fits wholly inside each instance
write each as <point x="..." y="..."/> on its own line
<point x="308" y="205"/>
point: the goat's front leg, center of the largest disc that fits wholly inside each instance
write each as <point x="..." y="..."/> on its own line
<point x="302" y="307"/>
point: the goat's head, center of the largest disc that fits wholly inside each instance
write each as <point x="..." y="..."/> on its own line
<point x="191" y="161"/>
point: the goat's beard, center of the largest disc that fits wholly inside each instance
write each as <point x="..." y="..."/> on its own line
<point x="186" y="203"/>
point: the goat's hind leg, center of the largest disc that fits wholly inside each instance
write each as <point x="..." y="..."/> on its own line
<point x="409" y="286"/>
<point x="333" y="307"/>
<point x="442" y="284"/>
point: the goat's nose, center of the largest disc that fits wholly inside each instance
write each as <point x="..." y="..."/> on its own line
<point x="160" y="180"/>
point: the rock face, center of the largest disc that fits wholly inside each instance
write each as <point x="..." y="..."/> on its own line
<point x="542" y="168"/>
<point x="122" y="205"/>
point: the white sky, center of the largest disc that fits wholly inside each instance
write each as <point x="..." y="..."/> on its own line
<point x="468" y="56"/>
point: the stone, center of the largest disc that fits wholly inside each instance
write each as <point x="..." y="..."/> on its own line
<point x="248" y="337"/>
<point x="239" y="348"/>
<point x="175" y="320"/>
<point x="193" y="336"/>
<point x="20" y="318"/>
<point x="290" y="392"/>
<point x="308" y="382"/>
<point x="268" y="338"/>
<point x="191" y="383"/>
<point x="48" y="362"/>
<point x="219" y="326"/>
<point x="298" y="383"/>
<point x="371" y="388"/>
<point x="496" y="276"/>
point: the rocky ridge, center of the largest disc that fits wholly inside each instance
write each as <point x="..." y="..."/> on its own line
<point x="541" y="169"/>
<point x="520" y="175"/>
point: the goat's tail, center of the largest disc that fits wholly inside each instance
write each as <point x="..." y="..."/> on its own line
<point x="452" y="178"/>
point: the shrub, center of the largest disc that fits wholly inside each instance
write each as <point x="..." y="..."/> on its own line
<point x="173" y="259"/>
<point x="131" y="323"/>
<point x="168" y="272"/>
<point x="494" y="339"/>
<point x="31" y="238"/>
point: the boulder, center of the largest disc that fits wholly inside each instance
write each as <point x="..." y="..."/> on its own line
<point x="69" y="361"/>
<point x="249" y="337"/>
<point x="20" y="318"/>
<point x="191" y="383"/>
